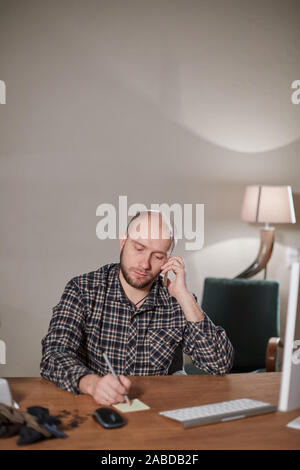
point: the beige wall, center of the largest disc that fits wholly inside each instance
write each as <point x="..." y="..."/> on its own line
<point x="162" y="101"/>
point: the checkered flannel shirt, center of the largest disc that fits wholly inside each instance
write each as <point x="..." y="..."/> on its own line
<point x="94" y="316"/>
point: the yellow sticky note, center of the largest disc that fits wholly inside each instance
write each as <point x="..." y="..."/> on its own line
<point x="136" y="405"/>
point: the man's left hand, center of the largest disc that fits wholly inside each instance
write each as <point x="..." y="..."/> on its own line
<point x="176" y="288"/>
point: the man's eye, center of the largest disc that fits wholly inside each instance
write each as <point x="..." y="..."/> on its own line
<point x="160" y="259"/>
<point x="139" y="249"/>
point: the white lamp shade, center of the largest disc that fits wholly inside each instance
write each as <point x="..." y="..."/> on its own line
<point x="268" y="204"/>
<point x="250" y="204"/>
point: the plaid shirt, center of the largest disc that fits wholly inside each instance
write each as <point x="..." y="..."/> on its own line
<point x="94" y="315"/>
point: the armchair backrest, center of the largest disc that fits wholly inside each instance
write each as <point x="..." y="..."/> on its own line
<point x="248" y="310"/>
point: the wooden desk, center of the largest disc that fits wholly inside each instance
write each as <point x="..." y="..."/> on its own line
<point x="147" y="430"/>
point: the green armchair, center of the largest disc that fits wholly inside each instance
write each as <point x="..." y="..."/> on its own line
<point x="248" y="310"/>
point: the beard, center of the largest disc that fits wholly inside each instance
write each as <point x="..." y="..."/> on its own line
<point x="137" y="283"/>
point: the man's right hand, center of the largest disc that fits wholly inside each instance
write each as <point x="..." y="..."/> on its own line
<point x="105" y="390"/>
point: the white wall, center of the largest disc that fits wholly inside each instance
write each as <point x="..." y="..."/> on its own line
<point x="162" y="101"/>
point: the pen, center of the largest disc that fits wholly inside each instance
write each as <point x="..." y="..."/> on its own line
<point x="114" y="374"/>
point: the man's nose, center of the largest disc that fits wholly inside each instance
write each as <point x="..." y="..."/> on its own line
<point x="146" y="262"/>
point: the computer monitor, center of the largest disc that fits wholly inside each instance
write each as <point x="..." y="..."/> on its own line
<point x="289" y="397"/>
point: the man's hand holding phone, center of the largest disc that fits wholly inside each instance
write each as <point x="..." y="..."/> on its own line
<point x="179" y="290"/>
<point x="176" y="288"/>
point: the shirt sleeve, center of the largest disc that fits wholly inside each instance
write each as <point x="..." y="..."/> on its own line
<point x="208" y="346"/>
<point x="60" y="363"/>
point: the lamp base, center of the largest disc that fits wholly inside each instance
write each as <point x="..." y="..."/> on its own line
<point x="267" y="236"/>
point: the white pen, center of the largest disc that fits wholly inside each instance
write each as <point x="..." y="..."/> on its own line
<point x="114" y="375"/>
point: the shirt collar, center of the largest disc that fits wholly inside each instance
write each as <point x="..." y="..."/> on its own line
<point x="157" y="296"/>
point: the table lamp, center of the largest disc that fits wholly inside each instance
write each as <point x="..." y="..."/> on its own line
<point x="266" y="204"/>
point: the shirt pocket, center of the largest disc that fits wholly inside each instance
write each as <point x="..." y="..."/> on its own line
<point x="162" y="345"/>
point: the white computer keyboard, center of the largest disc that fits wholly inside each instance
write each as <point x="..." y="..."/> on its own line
<point x="222" y="411"/>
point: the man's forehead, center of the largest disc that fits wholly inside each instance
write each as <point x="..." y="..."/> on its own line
<point x="159" y="247"/>
<point x="149" y="228"/>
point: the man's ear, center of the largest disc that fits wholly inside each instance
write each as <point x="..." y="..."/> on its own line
<point x="122" y="240"/>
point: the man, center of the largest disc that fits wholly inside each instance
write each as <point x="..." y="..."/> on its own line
<point x="127" y="310"/>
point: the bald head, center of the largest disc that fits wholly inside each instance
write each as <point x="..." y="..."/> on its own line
<point x="151" y="225"/>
